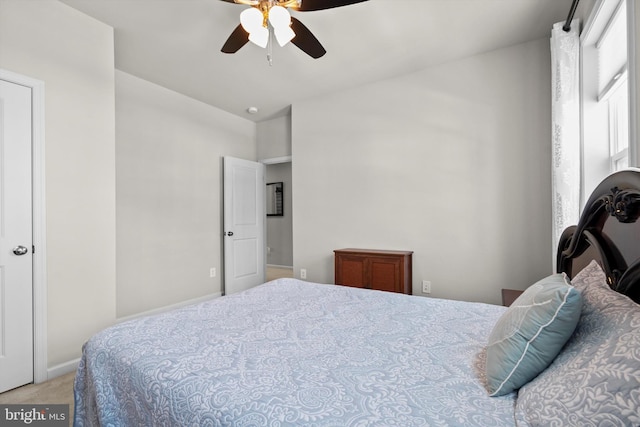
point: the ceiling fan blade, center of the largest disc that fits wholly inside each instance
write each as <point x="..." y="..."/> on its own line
<point x="311" y="5"/>
<point x="305" y="40"/>
<point x="238" y="38"/>
<point x="247" y="2"/>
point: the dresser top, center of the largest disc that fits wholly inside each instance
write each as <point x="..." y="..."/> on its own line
<point x="372" y="251"/>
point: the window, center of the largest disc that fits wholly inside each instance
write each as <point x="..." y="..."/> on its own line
<point x="613" y="88"/>
<point x="618" y="105"/>
<point x="605" y="93"/>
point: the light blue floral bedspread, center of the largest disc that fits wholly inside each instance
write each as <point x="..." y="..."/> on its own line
<point x="293" y="353"/>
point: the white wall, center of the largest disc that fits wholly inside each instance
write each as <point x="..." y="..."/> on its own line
<point x="73" y="55"/>
<point x="584" y="10"/>
<point x="169" y="193"/>
<point x="451" y="162"/>
<point x="274" y="138"/>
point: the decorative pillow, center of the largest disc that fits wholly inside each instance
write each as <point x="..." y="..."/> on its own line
<point x="530" y="334"/>
<point x="595" y="380"/>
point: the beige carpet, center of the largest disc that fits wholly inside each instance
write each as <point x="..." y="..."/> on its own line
<point x="278" y="272"/>
<point x="57" y="390"/>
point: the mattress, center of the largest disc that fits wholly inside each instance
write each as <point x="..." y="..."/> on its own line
<point x="294" y="353"/>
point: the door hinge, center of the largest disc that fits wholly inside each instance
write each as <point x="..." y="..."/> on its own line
<point x="33" y="249"/>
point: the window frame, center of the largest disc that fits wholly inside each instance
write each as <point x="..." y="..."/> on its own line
<point x="599" y="158"/>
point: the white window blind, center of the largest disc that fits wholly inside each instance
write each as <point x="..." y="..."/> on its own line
<point x="612" y="50"/>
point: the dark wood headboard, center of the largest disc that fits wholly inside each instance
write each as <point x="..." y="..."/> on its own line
<point x="609" y="232"/>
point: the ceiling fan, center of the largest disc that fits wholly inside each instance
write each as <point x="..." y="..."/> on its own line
<point x="267" y="18"/>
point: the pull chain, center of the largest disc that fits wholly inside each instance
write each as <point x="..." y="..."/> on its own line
<point x="270" y="47"/>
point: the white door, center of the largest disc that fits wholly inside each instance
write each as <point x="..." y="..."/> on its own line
<point x="16" y="259"/>
<point x="244" y="224"/>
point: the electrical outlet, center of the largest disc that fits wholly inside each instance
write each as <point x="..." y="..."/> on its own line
<point x="303" y="273"/>
<point x="212" y="272"/>
<point x="426" y="287"/>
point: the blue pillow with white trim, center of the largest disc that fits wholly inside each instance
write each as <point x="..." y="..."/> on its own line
<point x="531" y="333"/>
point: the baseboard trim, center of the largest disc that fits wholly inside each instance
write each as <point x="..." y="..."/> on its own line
<point x="72" y="365"/>
<point x="169" y="307"/>
<point x="289" y="267"/>
<point x="63" y="369"/>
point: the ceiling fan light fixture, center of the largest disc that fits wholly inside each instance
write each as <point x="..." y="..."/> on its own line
<point x="260" y="37"/>
<point x="280" y="20"/>
<point x="251" y="20"/>
<point x="271" y="19"/>
<point x="284" y="35"/>
<point x="279" y="17"/>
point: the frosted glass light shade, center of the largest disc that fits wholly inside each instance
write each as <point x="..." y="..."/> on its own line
<point x="259" y="36"/>
<point x="251" y="19"/>
<point x="284" y="35"/>
<point x="279" y="17"/>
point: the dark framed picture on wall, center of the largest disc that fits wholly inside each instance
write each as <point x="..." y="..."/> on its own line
<point x="275" y="199"/>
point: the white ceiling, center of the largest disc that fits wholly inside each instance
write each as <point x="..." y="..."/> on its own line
<point x="176" y="44"/>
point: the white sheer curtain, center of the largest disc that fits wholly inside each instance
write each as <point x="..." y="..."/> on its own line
<point x="565" y="122"/>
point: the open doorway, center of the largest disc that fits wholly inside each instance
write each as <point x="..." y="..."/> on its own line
<point x="279" y="228"/>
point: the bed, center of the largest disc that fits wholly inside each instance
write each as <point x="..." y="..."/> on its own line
<point x="294" y="353"/>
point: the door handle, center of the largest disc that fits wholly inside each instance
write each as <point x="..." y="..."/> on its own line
<point x="20" y="250"/>
<point x="229" y="233"/>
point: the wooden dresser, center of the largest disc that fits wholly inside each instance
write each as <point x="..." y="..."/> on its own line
<point x="509" y="296"/>
<point x="374" y="269"/>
